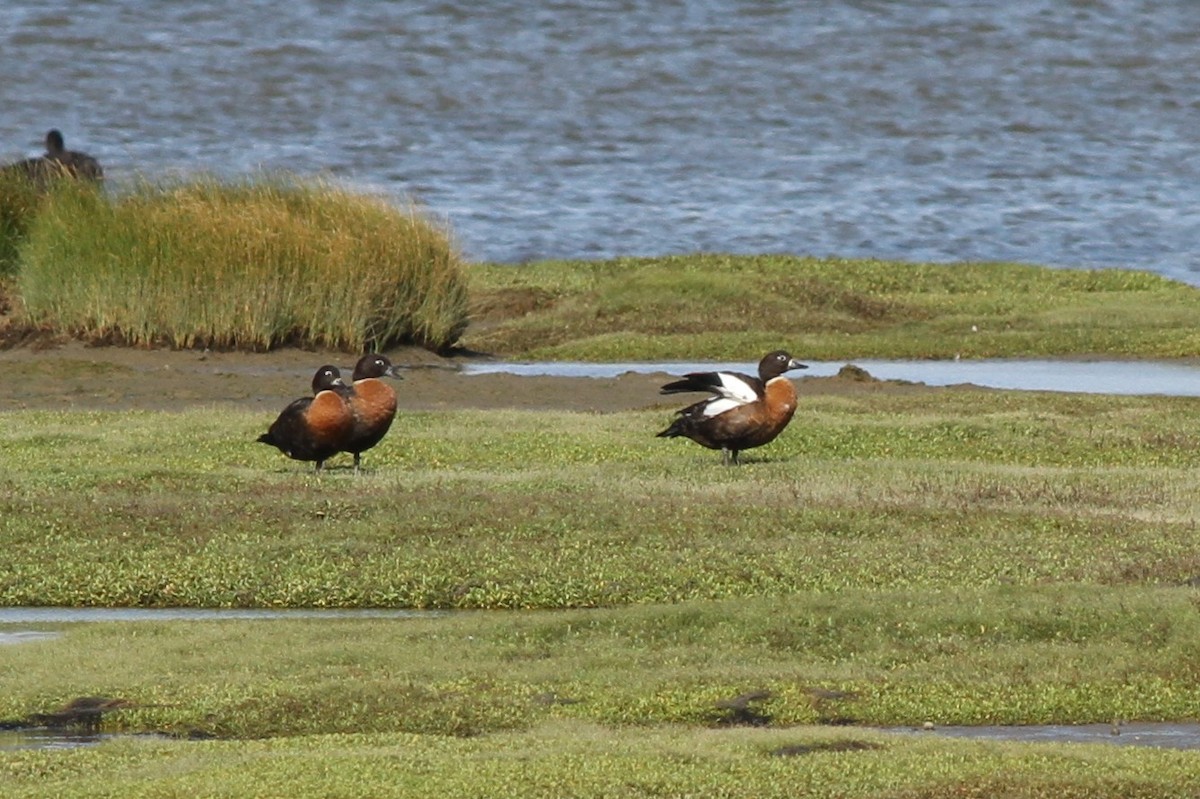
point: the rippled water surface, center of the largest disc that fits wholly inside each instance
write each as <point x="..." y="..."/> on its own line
<point x="12" y="740"/>
<point x="1052" y="131"/>
<point x="1089" y="377"/>
<point x="65" y="615"/>
<point x="1164" y="735"/>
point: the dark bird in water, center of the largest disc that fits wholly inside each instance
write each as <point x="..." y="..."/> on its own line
<point x="314" y="428"/>
<point x="58" y="161"/>
<point x="372" y="403"/>
<point x="744" y="411"/>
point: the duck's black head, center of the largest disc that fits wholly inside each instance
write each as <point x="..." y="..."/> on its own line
<point x="374" y="365"/>
<point x="776" y="363"/>
<point x="327" y="377"/>
<point x="54" y="142"/>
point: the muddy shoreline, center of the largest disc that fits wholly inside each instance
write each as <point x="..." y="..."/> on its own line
<point x="76" y="376"/>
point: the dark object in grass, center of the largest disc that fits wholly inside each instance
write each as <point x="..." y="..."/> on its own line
<point x="314" y="428"/>
<point x="372" y="403"/>
<point x="745" y="411"/>
<point x="58" y="162"/>
<point x="738" y="710"/>
<point x="795" y="750"/>
<point x="84" y="713"/>
<point x="826" y="702"/>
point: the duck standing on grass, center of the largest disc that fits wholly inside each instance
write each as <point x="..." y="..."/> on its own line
<point x="745" y="411"/>
<point x="372" y="403"/>
<point x="314" y="428"/>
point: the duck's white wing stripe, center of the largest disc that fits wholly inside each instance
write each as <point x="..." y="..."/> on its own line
<point x="718" y="406"/>
<point x="734" y="387"/>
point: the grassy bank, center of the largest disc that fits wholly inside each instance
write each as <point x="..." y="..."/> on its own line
<point x="896" y="557"/>
<point x="267" y="262"/>
<point x="719" y="307"/>
<point x="250" y="265"/>
<point x="514" y="509"/>
<point x="952" y="554"/>
<point x="892" y="657"/>
<point x="899" y="555"/>
<point x="580" y="760"/>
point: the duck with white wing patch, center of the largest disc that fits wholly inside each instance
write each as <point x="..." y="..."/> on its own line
<point x="744" y="411"/>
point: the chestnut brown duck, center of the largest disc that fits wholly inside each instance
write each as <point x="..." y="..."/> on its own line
<point x="314" y="428"/>
<point x="744" y="411"/>
<point x="372" y="405"/>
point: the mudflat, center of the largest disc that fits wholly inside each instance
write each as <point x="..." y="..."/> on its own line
<point x="78" y="376"/>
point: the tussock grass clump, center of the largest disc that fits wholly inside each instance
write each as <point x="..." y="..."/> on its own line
<point x="247" y="265"/>
<point x="19" y="200"/>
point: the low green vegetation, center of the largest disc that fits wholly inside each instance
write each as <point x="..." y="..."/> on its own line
<point x="246" y="265"/>
<point x="956" y="556"/>
<point x="600" y="612"/>
<point x="522" y="509"/>
<point x="568" y="759"/>
<point x="721" y="307"/>
<point x="888" y="658"/>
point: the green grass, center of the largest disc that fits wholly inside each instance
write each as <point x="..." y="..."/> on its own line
<point x="625" y="701"/>
<point x="579" y="760"/>
<point x="475" y="509"/>
<point x="882" y="528"/>
<point x="247" y="265"/>
<point x="722" y="307"/>
<point x="1040" y="655"/>
<point x="948" y="555"/>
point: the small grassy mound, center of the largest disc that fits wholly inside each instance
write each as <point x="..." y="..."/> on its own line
<point x="732" y="307"/>
<point x="247" y="265"/>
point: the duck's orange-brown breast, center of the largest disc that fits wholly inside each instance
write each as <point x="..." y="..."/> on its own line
<point x="329" y="418"/>
<point x="780" y="403"/>
<point x="374" y="402"/>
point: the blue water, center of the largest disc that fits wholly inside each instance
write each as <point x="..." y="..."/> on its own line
<point x="1161" y="735"/>
<point x="1089" y="377"/>
<point x="1061" y="132"/>
<point x="65" y="615"/>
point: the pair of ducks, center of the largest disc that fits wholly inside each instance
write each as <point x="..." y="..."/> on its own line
<point x="338" y="417"/>
<point x="744" y="411"/>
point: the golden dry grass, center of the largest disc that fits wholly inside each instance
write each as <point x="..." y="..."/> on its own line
<point x="250" y="265"/>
